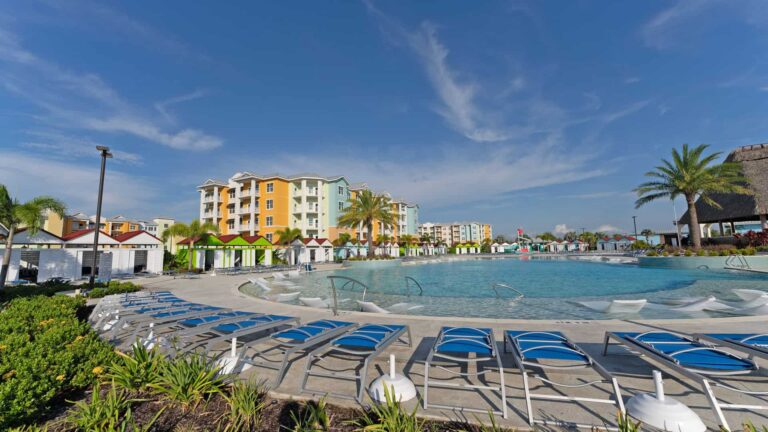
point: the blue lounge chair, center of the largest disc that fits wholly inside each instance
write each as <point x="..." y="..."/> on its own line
<point x="701" y="363"/>
<point x="754" y="344"/>
<point x="464" y="346"/>
<point x="230" y="331"/>
<point x="553" y="351"/>
<point x="276" y="350"/>
<point x="358" y="345"/>
<point x="166" y="316"/>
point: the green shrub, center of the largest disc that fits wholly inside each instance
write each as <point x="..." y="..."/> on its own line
<point x="114" y="287"/>
<point x="749" y="427"/>
<point x="724" y="252"/>
<point x="246" y="400"/>
<point x="688" y="253"/>
<point x="136" y="371"/>
<point x="46" y="289"/>
<point x="749" y="251"/>
<point x="625" y="423"/>
<point x="713" y="253"/>
<point x="665" y="253"/>
<point x="651" y="253"/>
<point x="188" y="380"/>
<point x="45" y="351"/>
<point x="701" y="252"/>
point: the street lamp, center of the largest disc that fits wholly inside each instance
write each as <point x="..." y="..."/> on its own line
<point x="104" y="155"/>
<point x="634" y="222"/>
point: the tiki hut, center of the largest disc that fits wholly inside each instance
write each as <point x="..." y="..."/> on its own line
<point x="736" y="207"/>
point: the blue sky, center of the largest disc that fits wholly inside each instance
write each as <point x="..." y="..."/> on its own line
<point x="542" y="115"/>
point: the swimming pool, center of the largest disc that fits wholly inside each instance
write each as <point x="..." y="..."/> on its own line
<point x="550" y="287"/>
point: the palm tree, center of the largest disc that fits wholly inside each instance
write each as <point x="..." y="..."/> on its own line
<point x="692" y="176"/>
<point x="343" y="239"/>
<point x="14" y="215"/>
<point x="287" y="235"/>
<point x="367" y="208"/>
<point x="427" y="238"/>
<point x="193" y="231"/>
<point x="383" y="238"/>
<point x="646" y="232"/>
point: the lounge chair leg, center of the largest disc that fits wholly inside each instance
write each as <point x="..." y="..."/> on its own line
<point x="426" y="384"/>
<point x="503" y="388"/>
<point x="363" y="375"/>
<point x="617" y="393"/>
<point x="715" y="405"/>
<point x="303" y="384"/>
<point x="605" y="344"/>
<point x="527" y="391"/>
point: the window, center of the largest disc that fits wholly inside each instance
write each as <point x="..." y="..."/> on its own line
<point x="341" y="206"/>
<point x="231" y="225"/>
<point x="256" y="220"/>
<point x="270" y="204"/>
<point x="341" y="190"/>
<point x="270" y="187"/>
<point x="269" y="236"/>
<point x="269" y="221"/>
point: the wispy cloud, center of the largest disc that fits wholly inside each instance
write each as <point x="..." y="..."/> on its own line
<point x="632" y="80"/>
<point x="75" y="184"/>
<point x="55" y="144"/>
<point x="660" y="30"/>
<point x="84" y="100"/>
<point x="163" y="106"/>
<point x="606" y="228"/>
<point x="598" y="195"/>
<point x="562" y="229"/>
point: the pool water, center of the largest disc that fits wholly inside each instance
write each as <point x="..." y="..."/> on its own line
<point x="464" y="288"/>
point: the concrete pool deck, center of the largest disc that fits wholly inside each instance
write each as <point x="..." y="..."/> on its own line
<point x="633" y="373"/>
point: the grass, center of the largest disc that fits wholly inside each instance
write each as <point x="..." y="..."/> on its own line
<point x="136" y="371"/>
<point x="188" y="380"/>
<point x="390" y="417"/>
<point x="246" y="400"/>
<point x="313" y="417"/>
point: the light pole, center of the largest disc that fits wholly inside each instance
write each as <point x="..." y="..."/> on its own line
<point x="104" y="155"/>
<point x="634" y="222"/>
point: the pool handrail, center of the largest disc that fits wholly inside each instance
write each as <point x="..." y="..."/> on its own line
<point x="407" y="286"/>
<point x="348" y="280"/>
<point x="496" y="285"/>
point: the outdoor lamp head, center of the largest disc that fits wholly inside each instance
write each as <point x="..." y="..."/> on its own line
<point x="102" y="148"/>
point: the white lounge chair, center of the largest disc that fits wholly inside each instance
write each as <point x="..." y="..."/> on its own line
<point x="615" y="306"/>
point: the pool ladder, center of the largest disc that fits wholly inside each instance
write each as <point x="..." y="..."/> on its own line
<point x="498" y="285"/>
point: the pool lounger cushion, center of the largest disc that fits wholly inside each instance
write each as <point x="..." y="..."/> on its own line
<point x="755" y="344"/>
<point x="702" y="363"/>
<point x="289" y="341"/>
<point x="359" y="344"/>
<point x="464" y="345"/>
<point x="231" y="330"/>
<point x="553" y="350"/>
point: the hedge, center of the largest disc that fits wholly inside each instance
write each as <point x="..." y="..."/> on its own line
<point x="45" y="352"/>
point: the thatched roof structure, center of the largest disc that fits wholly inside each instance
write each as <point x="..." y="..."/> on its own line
<point x="735" y="207"/>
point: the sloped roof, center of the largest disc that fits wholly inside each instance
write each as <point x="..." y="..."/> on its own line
<point x="71" y="237"/>
<point x="131" y="234"/>
<point x="41" y="237"/>
<point x="735" y="207"/>
<point x="226" y="238"/>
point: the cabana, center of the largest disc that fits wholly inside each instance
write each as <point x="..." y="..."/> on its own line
<point x="226" y="251"/>
<point x="556" y="246"/>
<point x="312" y="250"/>
<point x="46" y="256"/>
<point x="617" y="242"/>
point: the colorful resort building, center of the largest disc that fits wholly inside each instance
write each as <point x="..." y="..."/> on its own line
<point x="253" y="204"/>
<point x="456" y="232"/>
<point x="212" y="252"/>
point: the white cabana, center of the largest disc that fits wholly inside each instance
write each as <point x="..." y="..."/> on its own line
<point x="45" y="256"/>
<point x="496" y="248"/>
<point x="313" y="250"/>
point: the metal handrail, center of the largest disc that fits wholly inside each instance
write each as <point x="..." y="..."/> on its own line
<point x="741" y="262"/>
<point x="348" y="280"/>
<point x="496" y="285"/>
<point x="418" y="285"/>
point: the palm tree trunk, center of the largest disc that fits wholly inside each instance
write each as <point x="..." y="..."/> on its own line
<point x="7" y="256"/>
<point x="693" y="223"/>
<point x="370" y="240"/>
<point x="191" y="248"/>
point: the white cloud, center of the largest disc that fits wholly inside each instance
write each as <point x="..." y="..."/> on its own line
<point x="65" y="146"/>
<point x="458" y="106"/>
<point x="162" y="106"/>
<point x="27" y="176"/>
<point x="632" y="80"/>
<point x="605" y="228"/>
<point x="85" y="101"/>
<point x="561" y="229"/>
<point x="659" y="32"/>
<point x="663" y="109"/>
